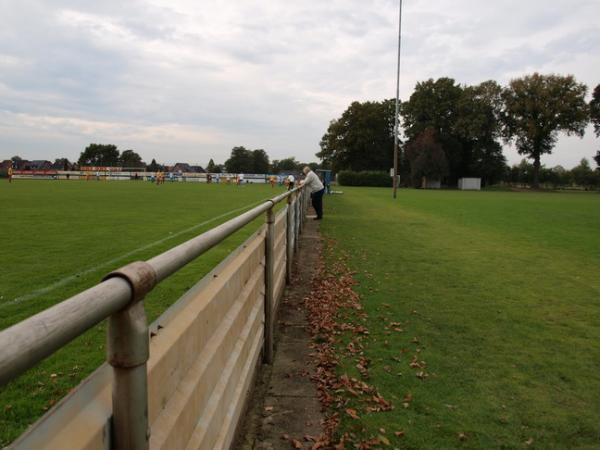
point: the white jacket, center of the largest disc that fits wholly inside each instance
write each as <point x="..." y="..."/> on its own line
<point x="312" y="183"/>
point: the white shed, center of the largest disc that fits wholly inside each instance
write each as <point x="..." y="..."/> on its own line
<point x="469" y="184"/>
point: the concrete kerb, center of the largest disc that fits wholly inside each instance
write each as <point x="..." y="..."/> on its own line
<point x="284" y="401"/>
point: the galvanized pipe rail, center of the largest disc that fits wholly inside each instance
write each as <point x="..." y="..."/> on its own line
<point x="119" y="298"/>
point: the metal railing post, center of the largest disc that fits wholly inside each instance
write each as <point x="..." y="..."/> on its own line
<point x="128" y="351"/>
<point x="289" y="244"/>
<point x="300" y="217"/>
<point x="269" y="284"/>
<point x="305" y="209"/>
<point x="297" y="222"/>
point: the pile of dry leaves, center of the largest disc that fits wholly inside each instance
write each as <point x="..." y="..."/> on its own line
<point x="334" y="310"/>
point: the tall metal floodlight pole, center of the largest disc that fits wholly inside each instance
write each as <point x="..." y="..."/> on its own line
<point x="396" y="127"/>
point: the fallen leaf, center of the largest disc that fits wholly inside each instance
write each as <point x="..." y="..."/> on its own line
<point x="384" y="440"/>
<point x="352" y="413"/>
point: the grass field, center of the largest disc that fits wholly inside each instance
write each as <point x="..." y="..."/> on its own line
<point x="497" y="293"/>
<point x="59" y="238"/>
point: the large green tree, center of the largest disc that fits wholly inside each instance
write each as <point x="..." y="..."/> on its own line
<point x="240" y="160"/>
<point x="129" y="158"/>
<point x="595" y="110"/>
<point x="243" y="160"/>
<point x="478" y="128"/>
<point x="260" y="162"/>
<point x="99" y="155"/>
<point x="466" y="124"/>
<point x="361" y="139"/>
<point x="537" y="108"/>
<point x="433" y="104"/>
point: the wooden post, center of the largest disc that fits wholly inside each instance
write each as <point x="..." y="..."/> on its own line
<point x="269" y="285"/>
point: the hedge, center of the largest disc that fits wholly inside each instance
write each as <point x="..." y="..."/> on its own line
<point x="366" y="178"/>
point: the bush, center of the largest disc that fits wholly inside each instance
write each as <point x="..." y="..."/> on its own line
<point x="367" y="178"/>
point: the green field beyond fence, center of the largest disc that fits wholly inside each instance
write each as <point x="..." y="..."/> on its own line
<point x="498" y="293"/>
<point x="59" y="238"/>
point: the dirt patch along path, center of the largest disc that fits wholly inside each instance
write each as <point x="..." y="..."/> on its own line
<point x="284" y="405"/>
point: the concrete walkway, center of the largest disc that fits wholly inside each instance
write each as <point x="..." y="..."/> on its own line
<point x="284" y="405"/>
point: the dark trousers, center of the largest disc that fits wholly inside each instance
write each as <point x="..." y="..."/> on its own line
<point x="317" y="202"/>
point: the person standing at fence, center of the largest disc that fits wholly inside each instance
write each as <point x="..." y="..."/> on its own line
<point x="315" y="188"/>
<point x="291" y="179"/>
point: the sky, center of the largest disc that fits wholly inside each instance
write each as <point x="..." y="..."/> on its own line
<point x="187" y="80"/>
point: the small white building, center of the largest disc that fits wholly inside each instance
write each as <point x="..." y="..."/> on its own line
<point x="469" y="184"/>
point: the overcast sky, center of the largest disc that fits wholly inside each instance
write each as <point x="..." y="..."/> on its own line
<point x="186" y="80"/>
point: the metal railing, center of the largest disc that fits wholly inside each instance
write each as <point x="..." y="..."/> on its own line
<point x="119" y="298"/>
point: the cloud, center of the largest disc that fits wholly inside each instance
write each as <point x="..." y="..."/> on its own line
<point x="181" y="79"/>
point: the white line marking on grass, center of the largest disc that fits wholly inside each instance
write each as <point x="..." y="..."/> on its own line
<point x="65" y="281"/>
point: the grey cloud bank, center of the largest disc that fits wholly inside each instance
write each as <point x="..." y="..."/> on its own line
<point x="188" y="80"/>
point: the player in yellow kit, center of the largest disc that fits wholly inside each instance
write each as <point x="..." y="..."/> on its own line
<point x="10" y="174"/>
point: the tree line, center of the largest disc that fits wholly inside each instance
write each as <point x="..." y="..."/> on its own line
<point x="241" y="160"/>
<point x="453" y="131"/>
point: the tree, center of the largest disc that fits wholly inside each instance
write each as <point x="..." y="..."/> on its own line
<point x="210" y="167"/>
<point x="260" y="162"/>
<point x="522" y="173"/>
<point x="557" y="176"/>
<point x="537" y="108"/>
<point x="597" y="159"/>
<point x="153" y="166"/>
<point x="313" y="166"/>
<point x="240" y="161"/>
<point x="427" y="157"/>
<point x="129" y="158"/>
<point x="583" y="175"/>
<point x="433" y="104"/>
<point x="99" y="155"/>
<point x="478" y="128"/>
<point x="64" y="163"/>
<point x="595" y="110"/>
<point x="285" y="165"/>
<point x="466" y="121"/>
<point x="361" y="139"/>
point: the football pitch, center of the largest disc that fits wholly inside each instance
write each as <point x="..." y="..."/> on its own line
<point x="61" y="237"/>
<point x="483" y="314"/>
<point x="496" y="295"/>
